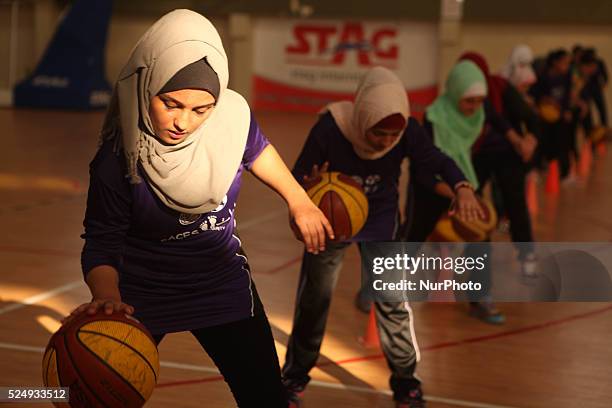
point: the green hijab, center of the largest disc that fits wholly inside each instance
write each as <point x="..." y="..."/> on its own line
<point x="455" y="133"/>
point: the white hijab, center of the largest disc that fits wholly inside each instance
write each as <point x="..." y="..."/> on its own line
<point x="380" y="93"/>
<point x="194" y="175"/>
<point x="518" y="70"/>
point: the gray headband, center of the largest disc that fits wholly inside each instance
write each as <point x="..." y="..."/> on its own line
<point x="197" y="75"/>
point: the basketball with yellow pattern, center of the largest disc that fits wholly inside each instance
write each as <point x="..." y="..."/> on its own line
<point x="105" y="360"/>
<point x="456" y="229"/>
<point x="342" y="200"/>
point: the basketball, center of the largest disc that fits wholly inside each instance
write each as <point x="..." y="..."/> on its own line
<point x="444" y="231"/>
<point x="598" y="133"/>
<point x="342" y="200"/>
<point x="477" y="230"/>
<point x="105" y="360"/>
<point x="549" y="112"/>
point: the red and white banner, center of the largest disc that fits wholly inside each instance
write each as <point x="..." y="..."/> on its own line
<point x="302" y="65"/>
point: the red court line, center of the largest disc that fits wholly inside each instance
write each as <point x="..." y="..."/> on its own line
<point x="433" y="347"/>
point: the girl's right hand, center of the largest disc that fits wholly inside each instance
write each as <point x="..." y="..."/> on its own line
<point x="108" y="305"/>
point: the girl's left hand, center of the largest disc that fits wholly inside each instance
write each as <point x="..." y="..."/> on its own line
<point x="310" y="225"/>
<point x="466" y="205"/>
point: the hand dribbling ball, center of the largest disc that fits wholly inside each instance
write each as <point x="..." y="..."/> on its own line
<point x="104" y="360"/>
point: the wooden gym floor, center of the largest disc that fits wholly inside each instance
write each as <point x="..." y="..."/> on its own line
<point x="547" y="355"/>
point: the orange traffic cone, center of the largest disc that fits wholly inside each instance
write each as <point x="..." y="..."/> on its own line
<point x="370" y="338"/>
<point x="552" y="178"/>
<point x="531" y="194"/>
<point x="601" y="149"/>
<point x="586" y="158"/>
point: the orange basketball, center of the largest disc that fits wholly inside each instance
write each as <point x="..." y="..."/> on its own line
<point x="598" y="133"/>
<point x="549" y="112"/>
<point x="343" y="202"/>
<point x="105" y="360"/>
<point x="444" y="231"/>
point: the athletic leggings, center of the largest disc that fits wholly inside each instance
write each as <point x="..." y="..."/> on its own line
<point x="245" y="354"/>
<point x="509" y="172"/>
<point x="558" y="142"/>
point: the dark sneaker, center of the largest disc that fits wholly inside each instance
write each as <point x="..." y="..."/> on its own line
<point x="413" y="399"/>
<point x="487" y="312"/>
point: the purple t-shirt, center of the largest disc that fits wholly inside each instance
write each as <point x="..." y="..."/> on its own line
<point x="179" y="271"/>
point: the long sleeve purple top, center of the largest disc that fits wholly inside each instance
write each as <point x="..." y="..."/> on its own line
<point x="179" y="271"/>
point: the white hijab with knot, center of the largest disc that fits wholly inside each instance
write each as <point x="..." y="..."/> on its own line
<point x="518" y="70"/>
<point x="380" y="94"/>
<point x="194" y="175"/>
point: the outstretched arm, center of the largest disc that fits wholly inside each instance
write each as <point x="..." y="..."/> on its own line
<point x="427" y="161"/>
<point x="309" y="220"/>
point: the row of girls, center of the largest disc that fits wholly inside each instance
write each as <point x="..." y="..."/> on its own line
<point x="500" y="127"/>
<point x="568" y="86"/>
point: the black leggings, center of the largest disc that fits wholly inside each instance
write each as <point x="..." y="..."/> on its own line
<point x="509" y="172"/>
<point x="245" y="354"/>
<point x="559" y="142"/>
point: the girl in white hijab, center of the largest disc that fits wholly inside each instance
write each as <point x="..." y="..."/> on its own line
<point x="518" y="69"/>
<point x="160" y="240"/>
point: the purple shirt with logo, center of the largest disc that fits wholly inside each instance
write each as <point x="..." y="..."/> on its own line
<point x="179" y="271"/>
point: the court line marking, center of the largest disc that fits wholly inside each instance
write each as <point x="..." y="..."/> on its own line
<point x="322" y="384"/>
<point x="258" y="220"/>
<point x="169" y="364"/>
<point x="21" y="347"/>
<point x="41" y="296"/>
